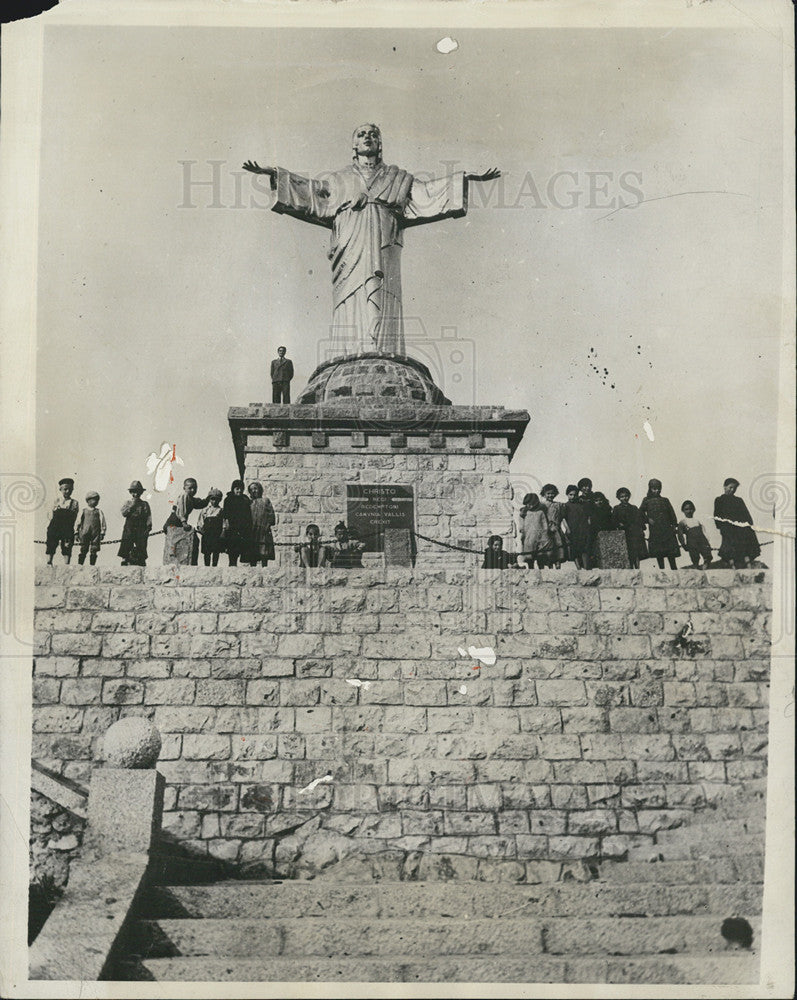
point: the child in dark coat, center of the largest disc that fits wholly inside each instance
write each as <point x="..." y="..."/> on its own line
<point x="237" y="530"/>
<point x="495" y="557"/>
<point x="578" y="517"/>
<point x="209" y="526"/>
<point x="658" y="514"/>
<point x="626" y="517"/>
<point x="739" y="545"/>
<point x="61" y="529"/>
<point x="138" y="525"/>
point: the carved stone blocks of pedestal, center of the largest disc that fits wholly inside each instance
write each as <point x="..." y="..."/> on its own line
<point x="398" y="547"/>
<point x="453" y="459"/>
<point x="178" y="545"/>
<point x="612" y="550"/>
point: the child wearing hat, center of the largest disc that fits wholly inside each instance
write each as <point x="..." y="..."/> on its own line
<point x="138" y="525"/>
<point x="209" y="527"/>
<point x="61" y="529"/>
<point x="692" y="537"/>
<point x="90" y="529"/>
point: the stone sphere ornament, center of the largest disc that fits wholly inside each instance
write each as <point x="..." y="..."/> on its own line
<point x="132" y="742"/>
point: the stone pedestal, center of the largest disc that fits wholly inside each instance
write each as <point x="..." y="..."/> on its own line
<point x="179" y="546"/>
<point x="125" y="809"/>
<point x="378" y="419"/>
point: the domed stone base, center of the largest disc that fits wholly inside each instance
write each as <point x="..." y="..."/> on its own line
<point x="372" y="378"/>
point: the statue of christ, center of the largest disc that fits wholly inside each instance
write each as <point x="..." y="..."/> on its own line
<point x="368" y="205"/>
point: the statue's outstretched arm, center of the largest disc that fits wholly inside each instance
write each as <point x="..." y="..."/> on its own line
<point x="255" y="168"/>
<point x="488" y="175"/>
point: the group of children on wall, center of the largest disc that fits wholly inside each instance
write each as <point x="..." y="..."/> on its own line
<point x="553" y="532"/>
<point x="240" y="526"/>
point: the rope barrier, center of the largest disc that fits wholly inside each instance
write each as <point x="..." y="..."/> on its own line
<point x="446" y="545"/>
<point x="415" y="534"/>
<point x="111" y="541"/>
<point x="152" y="534"/>
<point x="476" y="552"/>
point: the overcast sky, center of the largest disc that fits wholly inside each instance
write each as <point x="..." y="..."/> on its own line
<point x="154" y="317"/>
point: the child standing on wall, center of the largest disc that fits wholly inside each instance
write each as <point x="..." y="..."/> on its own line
<point x="263" y="517"/>
<point x="90" y="529"/>
<point x="237" y="529"/>
<point x="601" y="527"/>
<point x="138" y="525"/>
<point x="61" y="529"/>
<point x="186" y="503"/>
<point x="658" y="514"/>
<point x="739" y="547"/>
<point x="626" y="517"/>
<point x="209" y="527"/>
<point x="557" y="524"/>
<point x="692" y="537"/>
<point x="577" y="515"/>
<point x="536" y="544"/>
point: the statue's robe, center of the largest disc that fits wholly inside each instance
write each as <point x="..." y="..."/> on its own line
<point x="368" y="214"/>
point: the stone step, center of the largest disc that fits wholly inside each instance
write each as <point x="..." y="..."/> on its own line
<point x="712" y="834"/>
<point x="725" y="871"/>
<point x="728" y="826"/>
<point x="417" y="900"/>
<point x="728" y="968"/>
<point x="696" y="849"/>
<point x="304" y="937"/>
<point x="751" y="814"/>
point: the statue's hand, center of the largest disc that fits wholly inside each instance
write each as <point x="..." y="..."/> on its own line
<point x="255" y="168"/>
<point x="488" y="175"/>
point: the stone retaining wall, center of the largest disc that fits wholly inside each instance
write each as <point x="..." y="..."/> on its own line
<point x="594" y="728"/>
<point x="55" y="836"/>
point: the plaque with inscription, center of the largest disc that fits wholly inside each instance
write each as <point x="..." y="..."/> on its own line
<point x="372" y="507"/>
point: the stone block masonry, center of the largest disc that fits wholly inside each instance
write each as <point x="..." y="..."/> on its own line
<point x="590" y="733"/>
<point x="454" y="458"/>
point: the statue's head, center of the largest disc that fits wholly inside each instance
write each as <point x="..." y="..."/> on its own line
<point x="366" y="140"/>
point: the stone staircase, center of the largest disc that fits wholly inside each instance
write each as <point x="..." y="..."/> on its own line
<point x="652" y="919"/>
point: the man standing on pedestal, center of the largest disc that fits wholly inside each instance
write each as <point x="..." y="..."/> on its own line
<point x="281" y="375"/>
